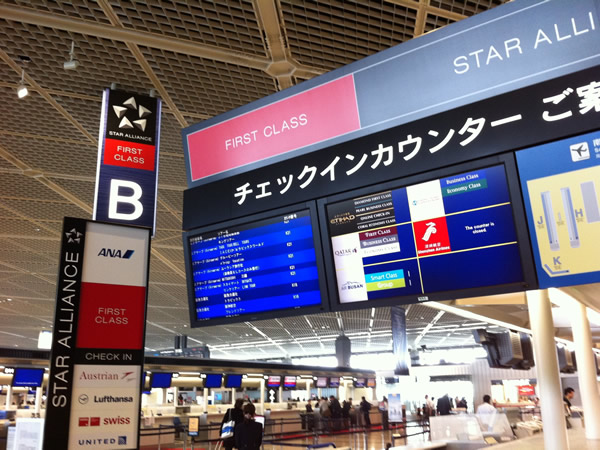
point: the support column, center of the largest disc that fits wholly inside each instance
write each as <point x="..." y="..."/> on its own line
<point x="552" y="407"/>
<point x="205" y="393"/>
<point x="262" y="396"/>
<point x="232" y="397"/>
<point x="9" y="396"/>
<point x="586" y="370"/>
<point x="308" y="390"/>
<point x="38" y="400"/>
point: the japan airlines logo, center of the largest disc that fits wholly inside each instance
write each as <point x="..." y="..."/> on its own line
<point x="431" y="229"/>
<point x="139" y="112"/>
<point x="73" y="236"/>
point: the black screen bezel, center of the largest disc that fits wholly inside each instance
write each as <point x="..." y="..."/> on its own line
<point x="520" y="223"/>
<point x="323" y="306"/>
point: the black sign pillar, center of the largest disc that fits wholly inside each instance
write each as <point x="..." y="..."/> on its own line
<point x="343" y="350"/>
<point x="399" y="340"/>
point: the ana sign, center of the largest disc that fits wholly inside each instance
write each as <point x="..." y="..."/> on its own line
<point x="127" y="174"/>
<point x="98" y="340"/>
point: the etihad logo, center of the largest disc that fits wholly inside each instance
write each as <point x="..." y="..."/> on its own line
<point x="131" y="108"/>
<point x="342" y="218"/>
<point x="73" y="236"/>
<point x="110" y="376"/>
<point x="115" y="253"/>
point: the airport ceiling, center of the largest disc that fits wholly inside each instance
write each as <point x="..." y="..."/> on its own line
<point x="202" y="58"/>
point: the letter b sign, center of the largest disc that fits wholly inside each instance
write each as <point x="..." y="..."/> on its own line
<point x="124" y="192"/>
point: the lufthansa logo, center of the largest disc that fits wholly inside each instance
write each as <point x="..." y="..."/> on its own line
<point x="83" y="399"/>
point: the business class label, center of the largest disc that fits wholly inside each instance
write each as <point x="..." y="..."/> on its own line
<point x="446" y="234"/>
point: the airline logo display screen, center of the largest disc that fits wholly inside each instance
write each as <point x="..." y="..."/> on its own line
<point x="448" y="234"/>
<point x="265" y="265"/>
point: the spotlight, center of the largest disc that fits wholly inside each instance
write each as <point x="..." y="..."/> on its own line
<point x="22" y="90"/>
<point x="72" y="63"/>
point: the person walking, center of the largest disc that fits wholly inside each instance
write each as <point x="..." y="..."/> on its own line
<point x="237" y="415"/>
<point x="444" y="405"/>
<point x="248" y="433"/>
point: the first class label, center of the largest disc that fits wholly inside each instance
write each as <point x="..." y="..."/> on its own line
<point x="129" y="154"/>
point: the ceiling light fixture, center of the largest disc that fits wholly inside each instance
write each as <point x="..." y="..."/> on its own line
<point x="22" y="90"/>
<point x="72" y="63"/>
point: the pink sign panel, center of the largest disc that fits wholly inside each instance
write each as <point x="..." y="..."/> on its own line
<point x="307" y="118"/>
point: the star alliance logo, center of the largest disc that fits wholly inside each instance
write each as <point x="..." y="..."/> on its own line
<point x="131" y="105"/>
<point x="73" y="236"/>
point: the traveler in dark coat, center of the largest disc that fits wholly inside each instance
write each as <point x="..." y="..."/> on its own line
<point x="248" y="433"/>
<point x="365" y="408"/>
<point x="444" y="406"/>
<point x="237" y="415"/>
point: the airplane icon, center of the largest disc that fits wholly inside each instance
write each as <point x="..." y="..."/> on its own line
<point x="580" y="151"/>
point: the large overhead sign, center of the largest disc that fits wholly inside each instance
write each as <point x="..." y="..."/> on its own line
<point x="561" y="186"/>
<point x="513" y="120"/>
<point x="127" y="174"/>
<point x="506" y="48"/>
<point x="408" y="155"/>
<point x="95" y="381"/>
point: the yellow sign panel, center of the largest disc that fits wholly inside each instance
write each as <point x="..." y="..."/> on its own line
<point x="567" y="222"/>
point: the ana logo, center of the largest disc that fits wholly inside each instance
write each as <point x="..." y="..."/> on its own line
<point x="83" y="399"/>
<point x="349" y="285"/>
<point x="73" y="236"/>
<point x="115" y="253"/>
<point x="345" y="251"/>
<point x="137" y="112"/>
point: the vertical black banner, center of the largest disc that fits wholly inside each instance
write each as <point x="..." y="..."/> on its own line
<point x="399" y="340"/>
<point x="60" y="384"/>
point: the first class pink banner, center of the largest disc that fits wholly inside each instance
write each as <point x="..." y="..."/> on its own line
<point x="318" y="114"/>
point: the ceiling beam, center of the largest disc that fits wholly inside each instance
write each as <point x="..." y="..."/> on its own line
<point x="143" y="63"/>
<point x="146" y="39"/>
<point x="424" y="5"/>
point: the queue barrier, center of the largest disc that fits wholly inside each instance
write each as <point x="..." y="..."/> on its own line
<point x="275" y="434"/>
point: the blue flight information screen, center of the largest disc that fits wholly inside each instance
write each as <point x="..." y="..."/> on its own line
<point x="257" y="267"/>
<point x="447" y="234"/>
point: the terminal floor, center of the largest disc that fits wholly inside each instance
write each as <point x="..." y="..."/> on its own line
<point x="377" y="440"/>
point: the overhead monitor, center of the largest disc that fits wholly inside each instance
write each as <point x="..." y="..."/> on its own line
<point x="274" y="381"/>
<point x="371" y="382"/>
<point x="566" y="360"/>
<point x="261" y="266"/>
<point x="213" y="380"/>
<point x="289" y="382"/>
<point x="360" y="382"/>
<point x="160" y="379"/>
<point x="509" y="348"/>
<point x="413" y="242"/>
<point x="233" y="381"/>
<point x="334" y="382"/>
<point x="321" y="382"/>
<point x="24" y="377"/>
